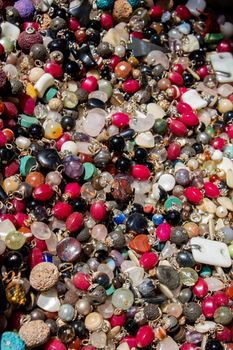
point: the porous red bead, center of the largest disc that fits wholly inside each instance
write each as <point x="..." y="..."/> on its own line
<point x="106" y="21"/>
<point x="183" y="107"/>
<point x="224" y="45"/>
<point x="208" y="306"/>
<point x="163" y="232"/>
<point x="183" y="12"/>
<point x="202" y="71"/>
<point x="64" y="138"/>
<point x="148" y="260"/>
<point x="62" y="210"/>
<point x="189" y="119"/>
<point x="144" y="336"/>
<point x="200" y="289"/>
<point x="89" y="84"/>
<point x="173" y="151"/>
<point x="220" y="298"/>
<point x="54" y="344"/>
<point x="131" y="86"/>
<point x="193" y="195"/>
<point x="211" y="190"/>
<point x="176" y="78"/>
<point x="156" y="12"/>
<point x="177" y="127"/>
<point x="3" y="139"/>
<point x="188" y="346"/>
<point x="140" y="172"/>
<point x="27" y="104"/>
<point x="120" y="119"/>
<point x="117" y="320"/>
<point x="74" y="222"/>
<point x="81" y="281"/>
<point x="72" y="189"/>
<point x="224" y="335"/>
<point x="43" y="192"/>
<point x="98" y="211"/>
<point x="10" y="110"/>
<point x="54" y="69"/>
<point x="73" y="24"/>
<point x="218" y="143"/>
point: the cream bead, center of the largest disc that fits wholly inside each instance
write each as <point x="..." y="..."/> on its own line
<point x="221" y="212"/>
<point x="94" y="321"/>
<point x="83" y="306"/>
<point x="22" y="142"/>
<point x="71" y="147"/>
<point x="120" y="51"/>
<point x="224" y="105"/>
<point x="192" y="164"/>
<point x="35" y="74"/>
<point x="217" y="156"/>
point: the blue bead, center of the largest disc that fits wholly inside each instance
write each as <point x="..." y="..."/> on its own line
<point x="11" y="341"/>
<point x="119" y="219"/>
<point x="134" y="3"/>
<point x="104" y="4"/>
<point x="157" y="219"/>
<point x="47" y="257"/>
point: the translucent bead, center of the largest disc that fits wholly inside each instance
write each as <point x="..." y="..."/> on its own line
<point x="99" y="232"/>
<point x="2" y="246"/>
<point x="53" y="178"/>
<point x="53" y="130"/>
<point x="40" y="230"/>
<point x="98" y="339"/>
<point x="15" y="240"/>
<point x="122" y="298"/>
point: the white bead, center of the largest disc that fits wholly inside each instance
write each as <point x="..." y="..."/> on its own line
<point x="10" y="31"/>
<point x="22" y="142"/>
<point x="49" y="301"/>
<point x="193" y="164"/>
<point x="194" y="99"/>
<point x="221" y="212"/>
<point x="217" y="155"/>
<point x="120" y="51"/>
<point x="196" y="7"/>
<point x="167" y="182"/>
<point x="43" y="84"/>
<point x="71" y="147"/>
<point x="227" y="29"/>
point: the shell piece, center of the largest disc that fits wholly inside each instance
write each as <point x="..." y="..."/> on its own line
<point x="229" y="178"/>
<point x="214" y="284"/>
<point x="208" y="205"/>
<point x="49" y="301"/>
<point x="34" y="333"/>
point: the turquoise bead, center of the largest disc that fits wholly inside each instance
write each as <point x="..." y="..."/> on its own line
<point x="205" y="272"/>
<point x="173" y="203"/>
<point x="11" y="341"/>
<point x="228" y="151"/>
<point x="27" y="121"/>
<point x="134" y="3"/>
<point x="26" y="164"/>
<point x="89" y="170"/>
<point x="50" y="93"/>
<point x="110" y="290"/>
<point x="104" y="4"/>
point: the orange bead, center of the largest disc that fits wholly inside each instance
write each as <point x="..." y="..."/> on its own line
<point x="192" y="229"/>
<point x="123" y="70"/>
<point x="2" y="107"/>
<point x="160" y="333"/>
<point x="9" y="134"/>
<point x="35" y="179"/>
<point x="74" y="344"/>
<point x="140" y="244"/>
<point x="229" y="291"/>
<point x="24" y="229"/>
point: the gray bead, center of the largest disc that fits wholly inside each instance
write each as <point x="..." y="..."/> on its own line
<point x="202" y="137"/>
<point x="25" y="189"/>
<point x="93" y="263"/>
<point x="97" y="296"/>
<point x="151" y="311"/>
<point x="179" y="235"/>
<point x="168" y="276"/>
<point x="38" y="52"/>
<point x="103" y="49"/>
<point x="37" y="314"/>
<point x="117" y="239"/>
<point x="16" y="87"/>
<point x="52" y="326"/>
<point x="182" y="177"/>
<point x="185" y="295"/>
<point x="102" y="158"/>
<point x="82" y="95"/>
<point x="188" y="150"/>
<point x="147" y="288"/>
<point x="83" y="235"/>
<point x="185" y="259"/>
<point x="192" y="311"/>
<point x="158" y="70"/>
<point x="57" y="24"/>
<point x="227" y="233"/>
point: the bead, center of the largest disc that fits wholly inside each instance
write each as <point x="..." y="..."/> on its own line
<point x="144" y="336"/>
<point x="66" y="312"/>
<point x="200" y="289"/>
<point x="93" y="321"/>
<point x="122" y="298"/>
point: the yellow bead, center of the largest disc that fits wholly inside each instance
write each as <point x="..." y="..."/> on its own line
<point x="53" y="130"/>
<point x="10" y="184"/>
<point x="30" y="91"/>
<point x="225" y="105"/>
<point x="133" y="61"/>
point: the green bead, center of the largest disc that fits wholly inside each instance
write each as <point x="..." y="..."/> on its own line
<point x="26" y="164"/>
<point x="27" y="121"/>
<point x="89" y="170"/>
<point x="228" y="151"/>
<point x="212" y="38"/>
<point x="210" y="131"/>
<point x="205" y="272"/>
<point x="105" y="86"/>
<point x="7" y="44"/>
<point x="15" y="240"/>
<point x="173" y="203"/>
<point x="188" y="276"/>
<point x="223" y="315"/>
<point x="110" y="290"/>
<point x="129" y="146"/>
<point x="50" y="93"/>
<point x="160" y="126"/>
<point x="230" y="248"/>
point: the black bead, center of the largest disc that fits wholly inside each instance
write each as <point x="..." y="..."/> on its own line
<point x="12" y="260"/>
<point x="155" y="39"/>
<point x="40" y="213"/>
<point x="198" y="147"/>
<point x="49" y="158"/>
<point x="214" y="345"/>
<point x="146" y="70"/>
<point x="59" y="45"/>
<point x="137" y="208"/>
<point x="148" y="32"/>
<point x="36" y="131"/>
<point x="136" y="222"/>
<point x="35" y="148"/>
<point x="188" y="79"/>
<point x="105" y="73"/>
<point x="59" y="12"/>
<point x="101" y="254"/>
<point x="95" y="103"/>
<point x="94" y="25"/>
<point x="149" y="165"/>
<point x="198" y="57"/>
<point x="185" y="259"/>
<point x="102" y="279"/>
<point x="20" y="131"/>
<point x="79" y="205"/>
<point x="94" y="37"/>
<point x="79" y="328"/>
<point x="131" y="326"/>
<point x="31" y="203"/>
<point x="70" y="36"/>
<point x="140" y="155"/>
<point x="123" y="164"/>
<point x="72" y="68"/>
<point x="116" y="143"/>
<point x="67" y="123"/>
<point x="6" y="155"/>
<point x="173" y="217"/>
<point x="227" y="117"/>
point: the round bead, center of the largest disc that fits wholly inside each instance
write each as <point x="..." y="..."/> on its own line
<point x="122" y="298"/>
<point x="93" y="321"/>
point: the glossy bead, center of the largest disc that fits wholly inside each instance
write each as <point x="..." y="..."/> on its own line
<point x="122" y="298"/>
<point x="35" y="179"/>
<point x="173" y="151"/>
<point x="98" y="211"/>
<point x="62" y="210"/>
<point x="74" y="222"/>
<point x="144" y="336"/>
<point x="66" y="312"/>
<point x="68" y="249"/>
<point x="193" y="194"/>
<point x="221" y="298"/>
<point x="120" y="119"/>
<point x="177" y="127"/>
<point x="43" y="192"/>
<point x="224" y="46"/>
<point x="106" y="21"/>
<point x="131" y="86"/>
<point x="200" y="289"/>
<point x="123" y="70"/>
<point x="81" y="281"/>
<point x="89" y="84"/>
<point x="189" y="119"/>
<point x="214" y="345"/>
<point x="93" y="321"/>
<point x="140" y="172"/>
<point x="211" y="190"/>
<point x="118" y="320"/>
<point x="53" y="130"/>
<point x="163" y="232"/>
<point x="148" y="260"/>
<point x="208" y="306"/>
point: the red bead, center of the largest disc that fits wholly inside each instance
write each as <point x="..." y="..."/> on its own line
<point x="38" y="243"/>
<point x="218" y="143"/>
<point x="148" y="260"/>
<point x="131" y="86"/>
<point x="11" y="168"/>
<point x="43" y="192"/>
<point x="81" y="281"/>
<point x="140" y="172"/>
<point x="183" y="107"/>
<point x="177" y="67"/>
<point x="120" y="119"/>
<point x="98" y="211"/>
<point x="20" y="219"/>
<point x="224" y="45"/>
<point x="35" y="257"/>
<point x="73" y="24"/>
<point x="144" y="336"/>
<point x="72" y="189"/>
<point x="89" y="84"/>
<point x="211" y="190"/>
<point x="3" y="139"/>
<point x="19" y="205"/>
<point x="193" y="195"/>
<point x="202" y="71"/>
<point x="15" y="320"/>
<point x="173" y="151"/>
<point x="163" y="232"/>
<point x="74" y="222"/>
<point x="2" y="50"/>
<point x="229" y="130"/>
<point x="208" y="306"/>
<point x="64" y="138"/>
<point x="188" y="346"/>
<point x="224" y="335"/>
<point x="54" y="69"/>
<point x="27" y="25"/>
<point x="182" y="90"/>
<point x="220" y="298"/>
<point x="176" y="78"/>
<point x="131" y="341"/>
<point x="27" y="104"/>
<point x="117" y="320"/>
<point x="54" y="344"/>
<point x="10" y="217"/>
<point x="177" y="128"/>
<point x="10" y="110"/>
<point x="137" y="35"/>
<point x="190" y="119"/>
<point x="183" y="12"/>
<point x="113" y="62"/>
<point x="200" y="289"/>
<point x="106" y="21"/>
<point x="62" y="210"/>
<point x="156" y="12"/>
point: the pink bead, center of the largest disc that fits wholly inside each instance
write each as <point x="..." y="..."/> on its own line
<point x="64" y="138"/>
<point x="98" y="211"/>
<point x="54" y="69"/>
<point x="148" y="260"/>
<point x="156" y="12"/>
<point x="190" y="119"/>
<point x="177" y="128"/>
<point x="131" y="341"/>
<point x="218" y="143"/>
<point x="200" y="289"/>
<point x="176" y="78"/>
<point x="106" y="21"/>
<point x="188" y="346"/>
<point x="211" y="190"/>
<point x="131" y="86"/>
<point x="20" y="219"/>
<point x="54" y="344"/>
<point x="3" y="139"/>
<point x="224" y="45"/>
<point x="144" y="336"/>
<point x="182" y="90"/>
<point x="35" y="257"/>
<point x="113" y="62"/>
<point x="202" y="71"/>
<point x="183" y="107"/>
<point x="118" y="320"/>
<point x="120" y="119"/>
<point x="89" y="84"/>
<point x="72" y="189"/>
<point x="11" y="169"/>
<point x="74" y="222"/>
<point x="62" y="210"/>
<point x="43" y="192"/>
<point x="27" y="104"/>
<point x="73" y="24"/>
<point x="229" y="130"/>
<point x="81" y="281"/>
<point x="140" y="172"/>
<point x="220" y="298"/>
<point x="10" y="217"/>
<point x="163" y="232"/>
<point x="19" y="205"/>
<point x="173" y="151"/>
<point x="193" y="195"/>
<point x="224" y="335"/>
<point x="208" y="306"/>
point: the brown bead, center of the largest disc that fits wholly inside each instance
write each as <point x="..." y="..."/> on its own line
<point x="95" y="181"/>
<point x="11" y="59"/>
<point x="35" y="179"/>
<point x="140" y="244"/>
<point x="123" y="70"/>
<point x="164" y="84"/>
<point x="192" y="229"/>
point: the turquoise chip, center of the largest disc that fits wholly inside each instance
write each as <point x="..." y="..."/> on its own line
<point x="27" y="121"/>
<point x="173" y="203"/>
<point x="26" y="164"/>
<point x="89" y="170"/>
<point x="11" y="341"/>
<point x="50" y="93"/>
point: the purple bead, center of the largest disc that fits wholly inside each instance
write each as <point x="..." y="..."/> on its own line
<point x="194" y="337"/>
<point x="73" y="167"/>
<point x="68" y="249"/>
<point x="117" y="256"/>
<point x="25" y="8"/>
